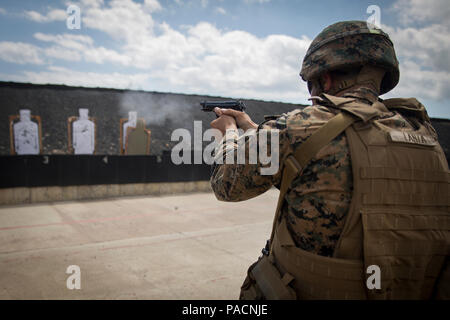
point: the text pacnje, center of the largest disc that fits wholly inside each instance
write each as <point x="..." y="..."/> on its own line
<point x="247" y="309"/>
<point x="231" y="309"/>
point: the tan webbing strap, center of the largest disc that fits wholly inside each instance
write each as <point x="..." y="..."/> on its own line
<point x="270" y="282"/>
<point x="408" y="106"/>
<point x="290" y="171"/>
<point x="294" y="164"/>
<point x="322" y="137"/>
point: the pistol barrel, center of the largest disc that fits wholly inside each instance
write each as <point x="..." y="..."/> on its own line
<point x="208" y="106"/>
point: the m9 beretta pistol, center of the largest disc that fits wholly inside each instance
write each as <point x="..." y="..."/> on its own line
<point x="208" y="106"/>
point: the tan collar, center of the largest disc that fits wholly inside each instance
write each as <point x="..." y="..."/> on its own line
<point x="362" y="94"/>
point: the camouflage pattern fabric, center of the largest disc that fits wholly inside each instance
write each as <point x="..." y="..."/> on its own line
<point x="350" y="44"/>
<point x="317" y="204"/>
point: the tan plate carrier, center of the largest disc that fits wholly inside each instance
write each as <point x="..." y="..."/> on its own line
<point x="398" y="218"/>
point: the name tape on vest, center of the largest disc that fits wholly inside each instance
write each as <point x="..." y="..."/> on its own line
<point x="412" y="138"/>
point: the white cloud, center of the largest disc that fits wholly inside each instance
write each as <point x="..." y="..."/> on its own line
<point x="204" y="3"/>
<point x="432" y="11"/>
<point x="52" y="15"/>
<point x="121" y="19"/>
<point x="422" y="45"/>
<point x="2" y="11"/>
<point x="420" y="83"/>
<point x="72" y="47"/>
<point x="76" y="78"/>
<point x="71" y="41"/>
<point x="235" y="63"/>
<point x="152" y="5"/>
<point x="220" y="10"/>
<point x="206" y="60"/>
<point x="202" y="59"/>
<point x="430" y="45"/>
<point x="21" y="53"/>
<point x="256" y="1"/>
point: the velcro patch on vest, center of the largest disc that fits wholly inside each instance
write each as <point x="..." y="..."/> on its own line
<point x="412" y="138"/>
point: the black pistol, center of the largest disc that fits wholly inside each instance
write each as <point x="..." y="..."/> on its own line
<point x="208" y="106"/>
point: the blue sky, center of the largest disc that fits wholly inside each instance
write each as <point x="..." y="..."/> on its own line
<point x="234" y="48"/>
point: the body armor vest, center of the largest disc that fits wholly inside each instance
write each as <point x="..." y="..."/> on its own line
<point x="398" y="219"/>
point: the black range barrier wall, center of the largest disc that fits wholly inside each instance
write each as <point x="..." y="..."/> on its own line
<point x="76" y="170"/>
<point x="73" y="170"/>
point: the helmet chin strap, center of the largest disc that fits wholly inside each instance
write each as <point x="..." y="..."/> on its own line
<point x="368" y="76"/>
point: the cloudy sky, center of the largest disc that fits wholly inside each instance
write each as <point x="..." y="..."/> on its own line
<point x="232" y="48"/>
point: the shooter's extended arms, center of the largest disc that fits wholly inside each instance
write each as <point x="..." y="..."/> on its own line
<point x="208" y="106"/>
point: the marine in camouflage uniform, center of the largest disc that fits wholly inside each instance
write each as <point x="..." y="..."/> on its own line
<point x="320" y="198"/>
<point x="318" y="201"/>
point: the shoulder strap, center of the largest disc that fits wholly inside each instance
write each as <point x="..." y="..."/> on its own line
<point x="322" y="137"/>
<point x="295" y="163"/>
<point x="407" y="106"/>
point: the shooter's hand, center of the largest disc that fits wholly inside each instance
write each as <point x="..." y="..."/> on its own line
<point x="223" y="122"/>
<point x="242" y="119"/>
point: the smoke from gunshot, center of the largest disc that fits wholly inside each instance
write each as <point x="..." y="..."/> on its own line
<point x="156" y="109"/>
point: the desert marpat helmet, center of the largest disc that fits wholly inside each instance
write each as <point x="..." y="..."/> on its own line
<point x="350" y="44"/>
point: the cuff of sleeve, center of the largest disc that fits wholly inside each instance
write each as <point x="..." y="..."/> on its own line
<point x="230" y="135"/>
<point x="228" y="142"/>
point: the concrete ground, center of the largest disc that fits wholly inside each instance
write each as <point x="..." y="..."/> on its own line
<point x="187" y="246"/>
